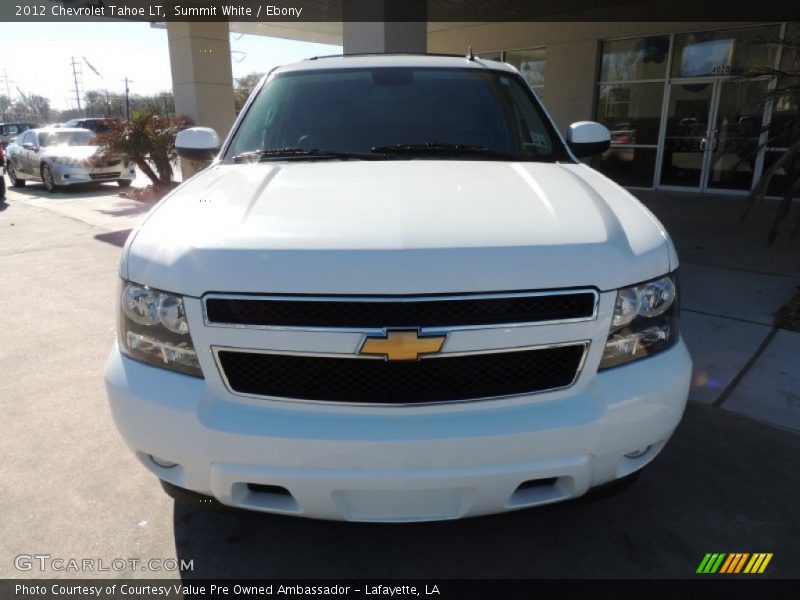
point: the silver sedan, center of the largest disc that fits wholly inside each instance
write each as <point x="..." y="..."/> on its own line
<point x="64" y="156"/>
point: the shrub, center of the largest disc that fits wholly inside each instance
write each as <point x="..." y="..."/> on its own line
<point x="146" y="139"/>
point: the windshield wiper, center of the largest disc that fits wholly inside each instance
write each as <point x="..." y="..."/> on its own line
<point x="301" y="154"/>
<point x="445" y="149"/>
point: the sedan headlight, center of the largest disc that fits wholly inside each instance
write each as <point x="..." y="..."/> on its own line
<point x="69" y="162"/>
<point x="153" y="329"/>
<point x="645" y="321"/>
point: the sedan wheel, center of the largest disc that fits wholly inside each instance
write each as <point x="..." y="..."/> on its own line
<point x="12" y="175"/>
<point x="47" y="177"/>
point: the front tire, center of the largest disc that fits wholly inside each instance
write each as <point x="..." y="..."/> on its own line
<point x="124" y="183"/>
<point x="2" y="187"/>
<point x="48" y="179"/>
<point x="12" y="175"/>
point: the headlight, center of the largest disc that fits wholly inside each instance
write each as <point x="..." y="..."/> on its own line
<point x="153" y="329"/>
<point x="645" y="322"/>
<point x="69" y="162"/>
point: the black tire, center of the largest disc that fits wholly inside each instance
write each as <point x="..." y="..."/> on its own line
<point x="12" y="175"/>
<point x="47" y="178"/>
<point x="2" y="187"/>
<point x="124" y="183"/>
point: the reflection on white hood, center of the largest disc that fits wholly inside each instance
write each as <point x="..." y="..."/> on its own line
<point x="397" y="227"/>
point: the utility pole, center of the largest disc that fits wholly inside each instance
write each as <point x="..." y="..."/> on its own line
<point x="127" y="100"/>
<point x="76" y="64"/>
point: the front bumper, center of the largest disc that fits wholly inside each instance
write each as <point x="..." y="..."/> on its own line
<point x="70" y="175"/>
<point x="393" y="463"/>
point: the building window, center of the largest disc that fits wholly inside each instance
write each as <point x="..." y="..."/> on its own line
<point x="726" y="52"/>
<point x="784" y="131"/>
<point x="641" y="58"/>
<point x="498" y="56"/>
<point x="629" y="102"/>
<point x="530" y="64"/>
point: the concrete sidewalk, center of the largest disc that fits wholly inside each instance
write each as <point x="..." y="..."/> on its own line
<point x="732" y="283"/>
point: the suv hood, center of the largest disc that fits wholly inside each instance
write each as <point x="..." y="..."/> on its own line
<point x="396" y="227"/>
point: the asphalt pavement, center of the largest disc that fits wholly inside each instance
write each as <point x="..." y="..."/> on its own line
<point x="70" y="488"/>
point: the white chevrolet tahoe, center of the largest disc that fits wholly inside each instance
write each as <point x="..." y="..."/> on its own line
<point x="396" y="295"/>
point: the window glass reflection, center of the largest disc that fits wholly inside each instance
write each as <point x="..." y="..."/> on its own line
<point x="530" y="64"/>
<point x="641" y="58"/>
<point x="727" y="52"/>
<point x="632" y="112"/>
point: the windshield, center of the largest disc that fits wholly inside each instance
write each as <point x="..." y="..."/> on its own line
<point x="65" y="138"/>
<point x="397" y="113"/>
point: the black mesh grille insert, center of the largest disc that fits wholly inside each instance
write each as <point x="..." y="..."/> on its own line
<point x="395" y="313"/>
<point x="437" y="379"/>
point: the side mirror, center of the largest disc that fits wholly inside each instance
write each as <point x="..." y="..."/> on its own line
<point x="586" y="138"/>
<point x="30" y="146"/>
<point x="197" y="143"/>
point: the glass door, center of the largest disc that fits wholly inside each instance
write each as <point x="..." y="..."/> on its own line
<point x="734" y="140"/>
<point x="711" y="135"/>
<point x="686" y="135"/>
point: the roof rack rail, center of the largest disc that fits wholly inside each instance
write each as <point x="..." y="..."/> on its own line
<point x="356" y="54"/>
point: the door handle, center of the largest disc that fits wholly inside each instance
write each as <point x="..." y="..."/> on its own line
<point x="703" y="144"/>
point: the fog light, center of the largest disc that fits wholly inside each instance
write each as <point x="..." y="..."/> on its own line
<point x="639" y="453"/>
<point x="164" y="464"/>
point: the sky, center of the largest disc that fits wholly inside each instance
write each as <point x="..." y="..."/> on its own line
<point x="37" y="57"/>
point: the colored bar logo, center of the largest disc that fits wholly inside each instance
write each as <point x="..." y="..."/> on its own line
<point x="734" y="563"/>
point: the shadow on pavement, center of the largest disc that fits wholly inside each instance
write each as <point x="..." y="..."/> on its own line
<point x="724" y="483"/>
<point x="116" y="238"/>
<point x="34" y="189"/>
<point x="127" y="212"/>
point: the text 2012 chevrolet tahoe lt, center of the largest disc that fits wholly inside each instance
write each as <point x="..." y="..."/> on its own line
<point x="397" y="295"/>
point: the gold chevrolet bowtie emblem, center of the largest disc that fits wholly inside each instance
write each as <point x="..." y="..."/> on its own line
<point x="402" y="345"/>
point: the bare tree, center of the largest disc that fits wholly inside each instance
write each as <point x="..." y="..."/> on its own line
<point x="782" y="133"/>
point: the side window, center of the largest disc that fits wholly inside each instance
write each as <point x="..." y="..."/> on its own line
<point x="12" y="130"/>
<point x="27" y="138"/>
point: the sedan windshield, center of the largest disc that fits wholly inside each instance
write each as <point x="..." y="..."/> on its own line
<point x="66" y="138"/>
<point x="396" y="113"/>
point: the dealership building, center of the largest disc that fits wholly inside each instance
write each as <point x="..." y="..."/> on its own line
<point x="685" y="102"/>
